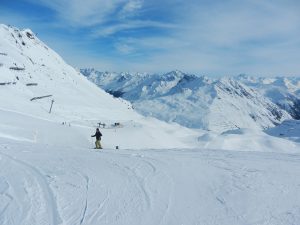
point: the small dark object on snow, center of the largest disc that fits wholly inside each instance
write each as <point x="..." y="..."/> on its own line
<point x="45" y="96"/>
<point x="31" y="84"/>
<point x="101" y="124"/>
<point x="29" y="35"/>
<point x="8" y="83"/>
<point x="16" y="68"/>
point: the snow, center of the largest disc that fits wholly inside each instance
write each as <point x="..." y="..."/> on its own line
<point x="192" y="101"/>
<point x="162" y="173"/>
<point x="41" y="184"/>
<point x="248" y="140"/>
<point x="76" y="100"/>
<point x="289" y="130"/>
<point x="283" y="91"/>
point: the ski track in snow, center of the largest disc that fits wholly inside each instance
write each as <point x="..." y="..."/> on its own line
<point x="149" y="187"/>
<point x="86" y="199"/>
<point x="42" y="192"/>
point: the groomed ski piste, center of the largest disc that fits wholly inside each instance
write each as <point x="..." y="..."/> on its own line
<point x="43" y="181"/>
<point x="161" y="174"/>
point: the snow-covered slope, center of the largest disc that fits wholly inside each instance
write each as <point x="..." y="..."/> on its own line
<point x="197" y="102"/>
<point x="41" y="184"/>
<point x="50" y="176"/>
<point x="32" y="75"/>
<point x="31" y="69"/>
<point x="289" y="130"/>
<point x="283" y="91"/>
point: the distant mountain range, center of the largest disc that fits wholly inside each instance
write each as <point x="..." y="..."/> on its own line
<point x="217" y="104"/>
<point x="283" y="91"/>
<point x="35" y="79"/>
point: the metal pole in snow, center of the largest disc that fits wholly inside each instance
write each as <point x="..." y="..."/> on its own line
<point x="51" y="105"/>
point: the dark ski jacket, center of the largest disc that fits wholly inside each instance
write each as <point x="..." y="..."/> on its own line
<point x="97" y="135"/>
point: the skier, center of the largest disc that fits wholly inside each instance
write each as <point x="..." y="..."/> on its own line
<point x="98" y="138"/>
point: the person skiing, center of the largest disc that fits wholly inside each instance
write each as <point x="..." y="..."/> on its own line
<point x="98" y="138"/>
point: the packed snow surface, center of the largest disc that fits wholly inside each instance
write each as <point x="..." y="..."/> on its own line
<point x="43" y="181"/>
<point x="161" y="174"/>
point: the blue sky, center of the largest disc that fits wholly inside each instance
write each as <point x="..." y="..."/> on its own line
<point x="221" y="37"/>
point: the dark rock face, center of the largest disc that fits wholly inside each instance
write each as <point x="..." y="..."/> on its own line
<point x="116" y="94"/>
<point x="293" y="108"/>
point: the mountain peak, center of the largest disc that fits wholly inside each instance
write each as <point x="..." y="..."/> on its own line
<point x="197" y="102"/>
<point x="174" y="73"/>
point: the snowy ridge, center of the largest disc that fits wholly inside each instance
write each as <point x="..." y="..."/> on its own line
<point x="283" y="91"/>
<point x="192" y="101"/>
<point x="36" y="71"/>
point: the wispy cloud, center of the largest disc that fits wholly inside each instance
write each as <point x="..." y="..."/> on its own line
<point x="195" y="35"/>
<point x="108" y="30"/>
<point x="86" y="13"/>
<point x="249" y="21"/>
<point x="228" y="37"/>
<point x="130" y="8"/>
<point x="124" y="48"/>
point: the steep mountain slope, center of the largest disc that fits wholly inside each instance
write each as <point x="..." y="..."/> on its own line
<point x="31" y="69"/>
<point x="32" y="75"/>
<point x="197" y="102"/>
<point x="283" y="91"/>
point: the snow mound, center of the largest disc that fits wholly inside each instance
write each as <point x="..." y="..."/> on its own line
<point x="248" y="140"/>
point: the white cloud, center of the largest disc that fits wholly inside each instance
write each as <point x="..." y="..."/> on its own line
<point x="239" y="23"/>
<point x="206" y="36"/>
<point x="83" y="13"/>
<point x="130" y="8"/>
<point x="108" y="30"/>
<point x="230" y="37"/>
<point x="124" y="48"/>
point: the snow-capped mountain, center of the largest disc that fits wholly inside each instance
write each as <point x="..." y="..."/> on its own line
<point x="192" y="101"/>
<point x="32" y="74"/>
<point x="283" y="91"/>
<point x="34" y="80"/>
